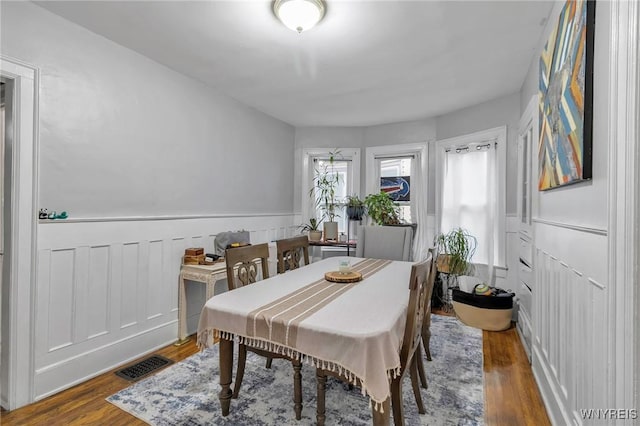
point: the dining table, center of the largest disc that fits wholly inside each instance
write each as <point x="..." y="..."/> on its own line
<point x="354" y="329"/>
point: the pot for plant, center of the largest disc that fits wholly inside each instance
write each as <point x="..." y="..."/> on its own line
<point x="330" y="230"/>
<point x="315" y="235"/>
<point x="442" y="263"/>
<point x="355" y="212"/>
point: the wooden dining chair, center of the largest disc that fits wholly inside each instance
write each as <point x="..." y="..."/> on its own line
<point x="242" y="269"/>
<point x="426" y="324"/>
<point x="419" y="290"/>
<point x="291" y="251"/>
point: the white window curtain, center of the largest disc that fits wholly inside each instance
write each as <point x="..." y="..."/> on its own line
<point x="469" y="200"/>
<point x="421" y="242"/>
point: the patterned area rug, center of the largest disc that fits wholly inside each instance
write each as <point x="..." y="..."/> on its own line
<point x="186" y="393"/>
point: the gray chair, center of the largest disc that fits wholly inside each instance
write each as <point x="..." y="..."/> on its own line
<point x="385" y="242"/>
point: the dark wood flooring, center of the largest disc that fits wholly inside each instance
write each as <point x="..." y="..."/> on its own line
<point x="511" y="394"/>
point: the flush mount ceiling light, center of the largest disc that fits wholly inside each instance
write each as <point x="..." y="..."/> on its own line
<point x="299" y="15"/>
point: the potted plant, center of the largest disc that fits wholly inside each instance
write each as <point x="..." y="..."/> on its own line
<point x="382" y="209"/>
<point x="455" y="250"/>
<point x="314" y="233"/>
<point x="355" y="207"/>
<point x="323" y="192"/>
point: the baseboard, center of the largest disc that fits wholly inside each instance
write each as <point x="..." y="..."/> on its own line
<point x="552" y="401"/>
<point x="525" y="332"/>
<point x="63" y="375"/>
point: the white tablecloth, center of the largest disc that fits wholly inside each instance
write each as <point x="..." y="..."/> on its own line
<point x="358" y="333"/>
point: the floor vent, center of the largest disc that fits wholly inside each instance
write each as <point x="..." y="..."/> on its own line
<point x="146" y="366"/>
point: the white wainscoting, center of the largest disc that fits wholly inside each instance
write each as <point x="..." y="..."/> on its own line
<point x="107" y="291"/>
<point x="570" y="320"/>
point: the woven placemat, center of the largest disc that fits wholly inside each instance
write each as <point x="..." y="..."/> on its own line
<point x="343" y="277"/>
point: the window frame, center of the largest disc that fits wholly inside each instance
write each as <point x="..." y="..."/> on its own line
<point x="499" y="135"/>
<point x="419" y="150"/>
<point x="308" y="154"/>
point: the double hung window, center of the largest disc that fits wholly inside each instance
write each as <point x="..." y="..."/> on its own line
<point x="471" y="192"/>
<point x="339" y="165"/>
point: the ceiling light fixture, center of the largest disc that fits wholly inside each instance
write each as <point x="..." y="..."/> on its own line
<point x="299" y="15"/>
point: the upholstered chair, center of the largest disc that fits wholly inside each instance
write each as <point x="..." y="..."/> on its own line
<point x="385" y="242"/>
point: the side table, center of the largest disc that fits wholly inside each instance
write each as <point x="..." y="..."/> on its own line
<point x="206" y="274"/>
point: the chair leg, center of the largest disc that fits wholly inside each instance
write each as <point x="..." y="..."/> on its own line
<point x="242" y="359"/>
<point x="418" y="358"/>
<point x="427" y="348"/>
<point x="268" y="364"/>
<point x="416" y="386"/>
<point x="297" y="388"/>
<point x="426" y="338"/>
<point x="321" y="381"/>
<point x="396" y="401"/>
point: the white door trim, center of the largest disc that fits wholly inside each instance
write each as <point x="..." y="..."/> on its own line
<point x="624" y="212"/>
<point x="18" y="354"/>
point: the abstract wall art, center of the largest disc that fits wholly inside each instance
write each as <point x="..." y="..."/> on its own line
<point x="566" y="98"/>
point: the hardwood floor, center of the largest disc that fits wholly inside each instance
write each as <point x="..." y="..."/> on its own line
<point x="511" y="395"/>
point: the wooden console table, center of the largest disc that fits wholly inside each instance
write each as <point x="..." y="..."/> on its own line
<point x="206" y="274"/>
<point x="322" y="243"/>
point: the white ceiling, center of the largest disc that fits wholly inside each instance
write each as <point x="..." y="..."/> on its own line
<point x="366" y="63"/>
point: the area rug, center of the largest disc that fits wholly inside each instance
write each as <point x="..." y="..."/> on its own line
<point x="186" y="393"/>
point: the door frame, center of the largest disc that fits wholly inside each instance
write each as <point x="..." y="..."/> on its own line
<point x="19" y="293"/>
<point x="624" y="204"/>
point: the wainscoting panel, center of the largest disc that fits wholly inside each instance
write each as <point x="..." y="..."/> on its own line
<point x="107" y="291"/>
<point x="98" y="289"/>
<point x="570" y="321"/>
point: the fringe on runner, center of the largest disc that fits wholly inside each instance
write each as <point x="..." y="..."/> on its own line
<point x="207" y="337"/>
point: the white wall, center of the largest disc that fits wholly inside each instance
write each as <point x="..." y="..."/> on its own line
<point x="571" y="314"/>
<point x="497" y="112"/>
<point x="320" y="137"/>
<point x="358" y="137"/>
<point x="122" y="135"/>
<point x="107" y="292"/>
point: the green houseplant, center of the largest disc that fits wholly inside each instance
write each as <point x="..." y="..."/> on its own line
<point x="355" y="207"/>
<point x="312" y="228"/>
<point x="325" y="182"/>
<point x="455" y="250"/>
<point x="382" y="209"/>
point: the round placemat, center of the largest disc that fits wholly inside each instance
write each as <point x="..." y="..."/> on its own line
<point x="343" y="277"/>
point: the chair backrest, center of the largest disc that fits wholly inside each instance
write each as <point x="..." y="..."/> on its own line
<point x="420" y="288"/>
<point x="385" y="242"/>
<point x="433" y="271"/>
<point x="242" y="264"/>
<point x="291" y="251"/>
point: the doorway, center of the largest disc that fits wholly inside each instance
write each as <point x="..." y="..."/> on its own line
<point x="6" y="126"/>
<point x="20" y="175"/>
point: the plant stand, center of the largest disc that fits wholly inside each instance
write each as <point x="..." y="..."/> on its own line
<point x="449" y="282"/>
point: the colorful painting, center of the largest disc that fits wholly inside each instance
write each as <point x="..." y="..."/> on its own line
<point x="566" y="86"/>
<point x="398" y="187"/>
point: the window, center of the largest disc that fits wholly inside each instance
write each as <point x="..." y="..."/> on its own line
<point x="346" y="164"/>
<point x="398" y="169"/>
<point x="407" y="162"/>
<point x="471" y="187"/>
<point x="339" y="171"/>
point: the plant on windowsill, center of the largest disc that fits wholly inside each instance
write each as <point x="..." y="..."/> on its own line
<point x="311" y="228"/>
<point x="325" y="182"/>
<point x="355" y="207"/>
<point x="382" y="209"/>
